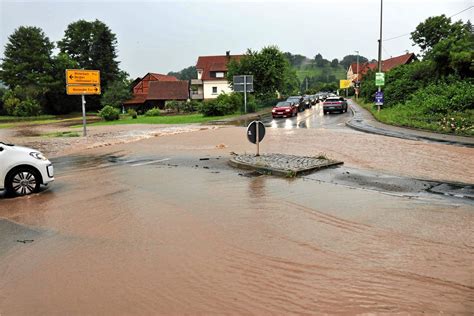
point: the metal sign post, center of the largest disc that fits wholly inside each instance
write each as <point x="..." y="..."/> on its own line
<point x="84" y="116"/>
<point x="243" y="84"/>
<point x="82" y="82"/>
<point x="258" y="140"/>
<point x="245" y="97"/>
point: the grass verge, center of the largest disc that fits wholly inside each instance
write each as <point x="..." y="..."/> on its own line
<point x="459" y="123"/>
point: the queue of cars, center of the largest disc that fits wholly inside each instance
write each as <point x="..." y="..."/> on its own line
<point x="295" y="104"/>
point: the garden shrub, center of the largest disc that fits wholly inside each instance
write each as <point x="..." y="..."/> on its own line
<point x="28" y="107"/>
<point x="132" y="113"/>
<point x="153" y="112"/>
<point x="109" y="113"/>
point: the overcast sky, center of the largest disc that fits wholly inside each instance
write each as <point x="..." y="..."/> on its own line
<point x="160" y="36"/>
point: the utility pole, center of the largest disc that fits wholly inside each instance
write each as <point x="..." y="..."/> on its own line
<point x="380" y="48"/>
<point x="357" y="78"/>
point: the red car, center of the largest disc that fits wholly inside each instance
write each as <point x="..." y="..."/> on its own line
<point x="285" y="109"/>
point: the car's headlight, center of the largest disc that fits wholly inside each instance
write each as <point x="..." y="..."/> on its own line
<point x="38" y="156"/>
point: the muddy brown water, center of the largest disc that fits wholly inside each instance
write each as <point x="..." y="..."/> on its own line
<point x="139" y="238"/>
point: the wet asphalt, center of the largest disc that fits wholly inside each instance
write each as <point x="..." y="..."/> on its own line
<point x="145" y="231"/>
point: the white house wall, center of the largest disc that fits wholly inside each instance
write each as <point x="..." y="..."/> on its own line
<point x="222" y="87"/>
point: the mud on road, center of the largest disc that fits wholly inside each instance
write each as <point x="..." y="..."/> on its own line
<point x="165" y="226"/>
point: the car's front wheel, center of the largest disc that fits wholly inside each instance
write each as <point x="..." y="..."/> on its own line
<point x="23" y="181"/>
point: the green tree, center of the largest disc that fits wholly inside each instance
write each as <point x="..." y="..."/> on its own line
<point x="27" y="60"/>
<point x="93" y="46"/>
<point x="320" y="61"/>
<point x="117" y="92"/>
<point x="270" y="68"/>
<point x="350" y="59"/>
<point x="435" y="29"/>
<point x="455" y="53"/>
<point x="295" y="60"/>
<point x="57" y="101"/>
<point x="185" y="74"/>
<point x="334" y="63"/>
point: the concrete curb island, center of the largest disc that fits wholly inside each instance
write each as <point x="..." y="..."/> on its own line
<point x="282" y="165"/>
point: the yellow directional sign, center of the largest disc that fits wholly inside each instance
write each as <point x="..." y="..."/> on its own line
<point x="343" y="84"/>
<point x="79" y="76"/>
<point x="82" y="89"/>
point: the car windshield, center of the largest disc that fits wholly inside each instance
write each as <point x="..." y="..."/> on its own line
<point x="333" y="99"/>
<point x="280" y="104"/>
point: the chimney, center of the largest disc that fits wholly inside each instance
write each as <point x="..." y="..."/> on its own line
<point x="227" y="53"/>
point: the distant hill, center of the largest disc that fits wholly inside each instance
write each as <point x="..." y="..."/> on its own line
<point x="319" y="71"/>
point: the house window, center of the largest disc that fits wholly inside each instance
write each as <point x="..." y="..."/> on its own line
<point x="219" y="75"/>
<point x="214" y="90"/>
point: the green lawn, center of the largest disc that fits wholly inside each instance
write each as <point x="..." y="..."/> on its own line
<point x="169" y="119"/>
<point x="9" y="119"/>
<point x="15" y="122"/>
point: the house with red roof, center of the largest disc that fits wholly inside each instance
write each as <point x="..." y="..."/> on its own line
<point x="356" y="72"/>
<point x="153" y="90"/>
<point x="211" y="76"/>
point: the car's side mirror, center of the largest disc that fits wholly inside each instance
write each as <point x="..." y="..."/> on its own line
<point x="1" y="148"/>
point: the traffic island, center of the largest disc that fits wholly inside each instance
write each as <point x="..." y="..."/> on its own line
<point x="282" y="165"/>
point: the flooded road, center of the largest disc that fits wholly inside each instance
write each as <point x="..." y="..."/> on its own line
<point x="146" y="231"/>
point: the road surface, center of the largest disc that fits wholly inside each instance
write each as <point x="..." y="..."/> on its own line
<point x="165" y="226"/>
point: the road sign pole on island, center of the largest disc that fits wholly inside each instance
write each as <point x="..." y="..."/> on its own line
<point x="84" y="115"/>
<point x="258" y="139"/>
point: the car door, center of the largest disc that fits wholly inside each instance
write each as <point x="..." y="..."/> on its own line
<point x="3" y="164"/>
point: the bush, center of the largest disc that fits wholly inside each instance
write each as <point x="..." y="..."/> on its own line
<point x="153" y="112"/>
<point x="28" y="107"/>
<point x="132" y="113"/>
<point x="10" y="102"/>
<point x="222" y="105"/>
<point x="109" y="113"/>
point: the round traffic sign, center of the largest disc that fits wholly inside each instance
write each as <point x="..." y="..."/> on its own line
<point x="252" y="132"/>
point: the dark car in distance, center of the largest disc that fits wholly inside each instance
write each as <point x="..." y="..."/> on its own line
<point x="334" y="104"/>
<point x="284" y="109"/>
<point x="299" y="101"/>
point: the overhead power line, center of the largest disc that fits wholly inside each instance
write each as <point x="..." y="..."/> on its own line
<point x="403" y="35"/>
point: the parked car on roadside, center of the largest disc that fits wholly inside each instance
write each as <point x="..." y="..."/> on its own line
<point x="299" y="102"/>
<point x="285" y="109"/>
<point x="334" y="104"/>
<point x="23" y="170"/>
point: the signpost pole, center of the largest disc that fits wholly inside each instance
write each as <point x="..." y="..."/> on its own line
<point x="258" y="137"/>
<point x="245" y="99"/>
<point x="84" y="115"/>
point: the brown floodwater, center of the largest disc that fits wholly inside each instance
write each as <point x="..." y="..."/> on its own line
<point x="125" y="236"/>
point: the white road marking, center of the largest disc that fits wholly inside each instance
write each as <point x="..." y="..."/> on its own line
<point x="150" y="162"/>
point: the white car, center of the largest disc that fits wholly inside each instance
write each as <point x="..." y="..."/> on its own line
<point x="23" y="170"/>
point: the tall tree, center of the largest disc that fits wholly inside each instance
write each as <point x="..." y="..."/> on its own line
<point x="27" y="60"/>
<point x="93" y="46"/>
<point x="435" y="29"/>
<point x="295" y="60"/>
<point x="334" y="63"/>
<point x="271" y="70"/>
<point x="350" y="59"/>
